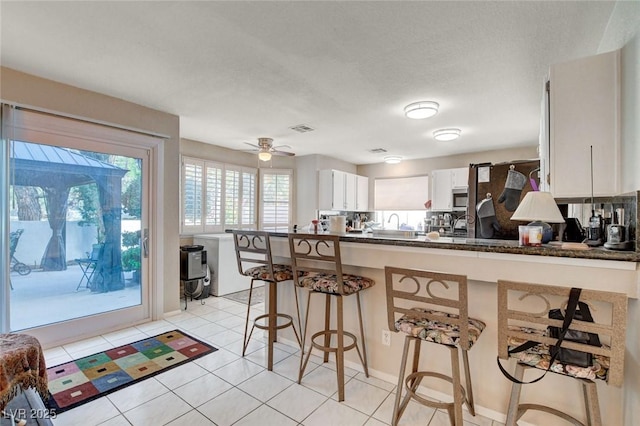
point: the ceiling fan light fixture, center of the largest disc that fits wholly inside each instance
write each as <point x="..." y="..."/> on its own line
<point x="422" y="109"/>
<point x="392" y="159"/>
<point x="447" y="134"/>
<point x="264" y="156"/>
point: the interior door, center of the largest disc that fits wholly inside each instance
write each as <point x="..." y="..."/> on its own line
<point x="78" y="222"/>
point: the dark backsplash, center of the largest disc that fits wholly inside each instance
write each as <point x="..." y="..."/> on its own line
<point x="629" y="202"/>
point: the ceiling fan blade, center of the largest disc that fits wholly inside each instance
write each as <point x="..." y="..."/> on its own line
<point x="281" y="146"/>
<point x="253" y="145"/>
<point x="282" y="153"/>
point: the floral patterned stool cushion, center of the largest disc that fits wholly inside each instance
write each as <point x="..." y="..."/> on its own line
<point x="281" y="272"/>
<point x="539" y="357"/>
<point x="327" y="283"/>
<point x="437" y="331"/>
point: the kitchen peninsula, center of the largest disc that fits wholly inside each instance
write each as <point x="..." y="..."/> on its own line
<point x="484" y="262"/>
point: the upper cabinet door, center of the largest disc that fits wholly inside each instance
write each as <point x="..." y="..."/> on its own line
<point x="584" y="112"/>
<point x="460" y="178"/>
<point x="441" y="194"/>
<point x="338" y="190"/>
<point x="350" y="192"/>
<point x="362" y="193"/>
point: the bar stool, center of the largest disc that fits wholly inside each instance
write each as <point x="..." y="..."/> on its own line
<point x="317" y="266"/>
<point x="410" y="298"/>
<point x="523" y="317"/>
<point x="254" y="247"/>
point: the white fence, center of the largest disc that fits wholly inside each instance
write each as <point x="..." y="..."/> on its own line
<point x="36" y="235"/>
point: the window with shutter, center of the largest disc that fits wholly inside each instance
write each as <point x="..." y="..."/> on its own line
<point x="216" y="196"/>
<point x="276" y="196"/>
<point x="248" y="206"/>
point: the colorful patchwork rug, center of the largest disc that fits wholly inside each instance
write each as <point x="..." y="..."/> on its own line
<point x="83" y="380"/>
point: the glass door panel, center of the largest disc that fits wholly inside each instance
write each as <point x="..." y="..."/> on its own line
<point x="77" y="213"/>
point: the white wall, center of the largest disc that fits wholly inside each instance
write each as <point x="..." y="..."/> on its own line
<point x="426" y="165"/>
<point x="39" y="93"/>
<point x="623" y="32"/>
<point x="306" y="179"/>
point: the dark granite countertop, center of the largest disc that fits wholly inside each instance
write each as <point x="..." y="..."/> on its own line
<point x="487" y="246"/>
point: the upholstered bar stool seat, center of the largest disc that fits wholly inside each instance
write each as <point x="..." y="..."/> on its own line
<point x="411" y="296"/>
<point x="254" y="247"/>
<point x="317" y="266"/>
<point x="327" y="283"/>
<point x="419" y="325"/>
<point x="523" y="318"/>
<point x="539" y="357"/>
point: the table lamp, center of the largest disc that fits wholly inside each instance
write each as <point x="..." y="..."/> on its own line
<point x="540" y="208"/>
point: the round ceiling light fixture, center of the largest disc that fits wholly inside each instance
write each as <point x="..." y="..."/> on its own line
<point x="392" y="159"/>
<point x="422" y="109"/>
<point x="264" y="156"/>
<point x="447" y="134"/>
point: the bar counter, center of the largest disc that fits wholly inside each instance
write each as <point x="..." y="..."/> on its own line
<point x="484" y="262"/>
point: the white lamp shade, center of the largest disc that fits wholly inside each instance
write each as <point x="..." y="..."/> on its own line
<point x="264" y="156"/>
<point x="538" y="206"/>
<point x="423" y="109"/>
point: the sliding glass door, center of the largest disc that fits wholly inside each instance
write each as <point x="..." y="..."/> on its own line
<point x="78" y="226"/>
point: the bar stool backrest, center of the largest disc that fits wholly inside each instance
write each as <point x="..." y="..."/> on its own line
<point x="316" y="253"/>
<point x="413" y="288"/>
<point x="253" y="248"/>
<point x="527" y="305"/>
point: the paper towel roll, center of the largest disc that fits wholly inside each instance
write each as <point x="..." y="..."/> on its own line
<point x="338" y="224"/>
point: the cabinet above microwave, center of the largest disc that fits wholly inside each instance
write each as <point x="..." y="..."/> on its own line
<point x="445" y="183"/>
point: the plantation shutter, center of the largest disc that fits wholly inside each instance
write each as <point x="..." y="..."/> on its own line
<point x="192" y="174"/>
<point x="276" y="199"/>
<point x="248" y="206"/>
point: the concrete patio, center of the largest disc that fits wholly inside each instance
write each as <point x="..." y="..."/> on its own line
<point x="45" y="297"/>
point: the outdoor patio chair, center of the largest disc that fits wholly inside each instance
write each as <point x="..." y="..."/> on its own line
<point x="88" y="265"/>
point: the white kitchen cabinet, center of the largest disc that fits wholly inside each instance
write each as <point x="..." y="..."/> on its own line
<point x="441" y="190"/>
<point x="460" y="178"/>
<point x="338" y="190"/>
<point x="362" y="193"/>
<point x="583" y="112"/>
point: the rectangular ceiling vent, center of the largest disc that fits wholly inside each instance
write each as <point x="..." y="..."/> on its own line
<point x="302" y="128"/>
<point x="377" y="151"/>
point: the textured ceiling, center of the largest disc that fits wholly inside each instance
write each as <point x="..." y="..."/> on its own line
<point x="236" y="71"/>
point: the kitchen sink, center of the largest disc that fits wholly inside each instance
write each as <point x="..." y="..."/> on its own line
<point x="395" y="233"/>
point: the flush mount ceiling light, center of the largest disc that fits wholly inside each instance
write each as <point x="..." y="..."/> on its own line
<point x="422" y="109"/>
<point x="392" y="159"/>
<point x="446" y="134"/>
<point x="264" y="156"/>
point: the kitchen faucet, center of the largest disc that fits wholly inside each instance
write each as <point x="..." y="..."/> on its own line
<point x="397" y="217"/>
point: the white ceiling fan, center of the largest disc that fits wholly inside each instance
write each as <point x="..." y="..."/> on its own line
<point x="265" y="149"/>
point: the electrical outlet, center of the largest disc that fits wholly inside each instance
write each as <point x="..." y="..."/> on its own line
<point x="386" y="337"/>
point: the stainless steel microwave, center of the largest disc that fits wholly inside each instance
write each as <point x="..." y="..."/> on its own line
<point x="460" y="200"/>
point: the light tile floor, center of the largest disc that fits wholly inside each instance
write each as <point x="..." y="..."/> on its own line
<point x="223" y="388"/>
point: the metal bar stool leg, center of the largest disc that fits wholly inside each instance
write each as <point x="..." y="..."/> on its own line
<point x="457" y="392"/>
<point x="245" y="339"/>
<point x="327" y="322"/>
<point x="304" y="360"/>
<point x="467" y="380"/>
<point x="295" y="295"/>
<point x="340" y="349"/>
<point x="514" y="399"/>
<point x="272" y="331"/>
<point x="363" y="357"/>
<point x="399" y="387"/>
<point x="591" y="403"/>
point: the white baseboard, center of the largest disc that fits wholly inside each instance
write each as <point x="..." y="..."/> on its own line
<point x="171" y="313"/>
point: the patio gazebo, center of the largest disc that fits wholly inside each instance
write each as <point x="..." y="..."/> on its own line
<point x="57" y="170"/>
